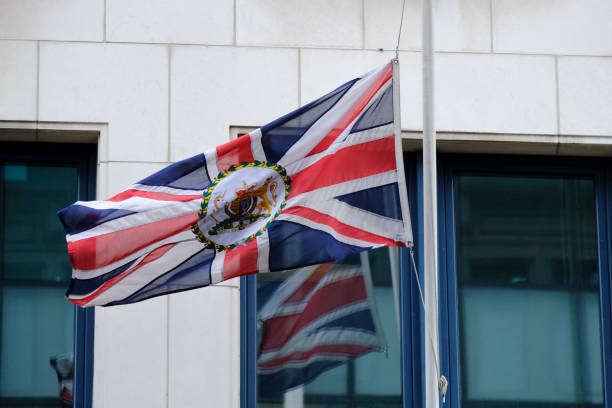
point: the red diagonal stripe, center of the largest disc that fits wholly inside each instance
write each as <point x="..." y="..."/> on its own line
<point x="155" y="254"/>
<point x="233" y="153"/>
<point x="340" y="227"/>
<point x="349" y="163"/>
<point x="354" y="111"/>
<point x="154" y="195"/>
<point x="101" y="250"/>
<point x="241" y="260"/>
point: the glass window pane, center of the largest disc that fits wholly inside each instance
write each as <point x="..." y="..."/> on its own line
<point x="329" y="334"/>
<point x="365" y="382"/>
<point x="34" y="243"/>
<point x="37" y="323"/>
<point x="528" y="287"/>
<point x="329" y="382"/>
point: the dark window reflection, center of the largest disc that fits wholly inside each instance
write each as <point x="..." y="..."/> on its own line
<point x="328" y="334"/>
<point x="528" y="284"/>
<point x="36" y="322"/>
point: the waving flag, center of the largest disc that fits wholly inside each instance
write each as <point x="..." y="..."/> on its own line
<point x="314" y="186"/>
<point x="63" y="365"/>
<point x="316" y="319"/>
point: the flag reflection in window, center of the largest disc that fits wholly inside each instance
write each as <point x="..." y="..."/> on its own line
<point x="329" y="334"/>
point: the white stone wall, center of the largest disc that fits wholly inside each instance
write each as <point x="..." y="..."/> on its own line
<point x="166" y="80"/>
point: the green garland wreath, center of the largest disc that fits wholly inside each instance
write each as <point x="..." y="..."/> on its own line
<point x="208" y="193"/>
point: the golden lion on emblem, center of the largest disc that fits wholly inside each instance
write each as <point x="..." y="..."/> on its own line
<point x="250" y="200"/>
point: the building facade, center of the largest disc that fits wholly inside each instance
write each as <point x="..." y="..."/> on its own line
<point x="97" y="94"/>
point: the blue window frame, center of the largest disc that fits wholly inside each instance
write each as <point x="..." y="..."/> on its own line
<point x="411" y="342"/>
<point x="595" y="177"/>
<point x="20" y="161"/>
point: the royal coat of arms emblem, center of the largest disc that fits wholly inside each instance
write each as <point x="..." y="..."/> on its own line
<point x="241" y="203"/>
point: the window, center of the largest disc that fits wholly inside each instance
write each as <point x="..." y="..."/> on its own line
<point x="338" y="324"/>
<point x="348" y="329"/>
<point x="524" y="281"/>
<point x="37" y="323"/>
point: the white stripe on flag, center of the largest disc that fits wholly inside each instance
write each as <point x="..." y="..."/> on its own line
<point x="164" y="189"/>
<point x="358" y="218"/>
<point x="326" y="228"/>
<point x="131" y="204"/>
<point x="263" y="252"/>
<point x="216" y="269"/>
<point x="256" y="146"/>
<point x="211" y="164"/>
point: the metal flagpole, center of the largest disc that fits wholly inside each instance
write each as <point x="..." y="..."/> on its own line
<point x="433" y="381"/>
<point x="433" y="378"/>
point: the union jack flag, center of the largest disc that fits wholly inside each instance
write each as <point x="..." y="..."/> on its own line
<point x="316" y="185"/>
<point x="316" y="319"/>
